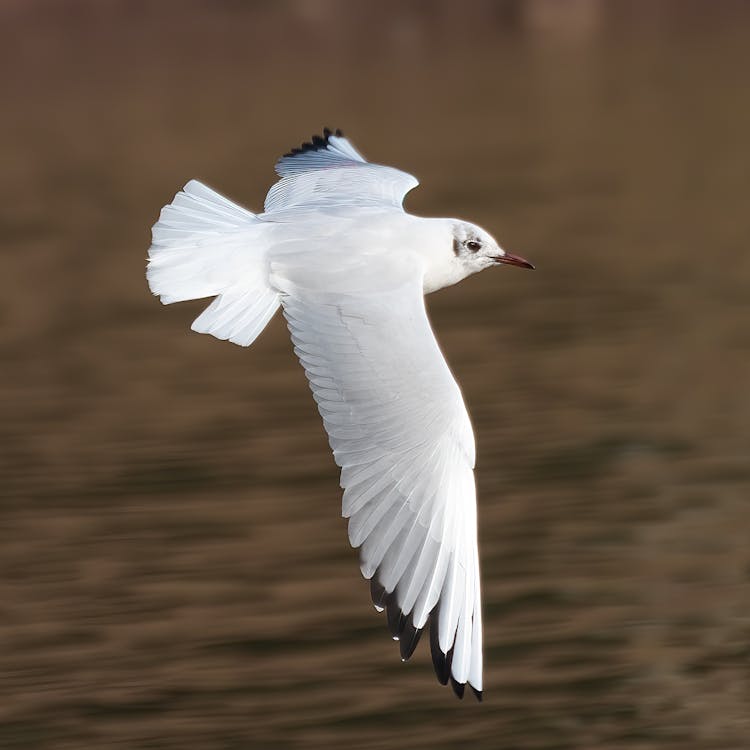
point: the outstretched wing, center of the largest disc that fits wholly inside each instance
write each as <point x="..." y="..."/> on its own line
<point x="399" y="430"/>
<point x="329" y="171"/>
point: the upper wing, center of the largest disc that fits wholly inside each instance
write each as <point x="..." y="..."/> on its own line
<point x="329" y="171"/>
<point x="399" y="430"/>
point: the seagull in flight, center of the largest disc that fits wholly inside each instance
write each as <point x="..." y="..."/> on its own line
<point x="335" y="250"/>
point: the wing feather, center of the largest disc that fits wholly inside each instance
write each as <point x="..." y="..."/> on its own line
<point x="329" y="172"/>
<point x="400" y="433"/>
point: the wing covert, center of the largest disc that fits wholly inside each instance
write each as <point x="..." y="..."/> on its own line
<point x="328" y="171"/>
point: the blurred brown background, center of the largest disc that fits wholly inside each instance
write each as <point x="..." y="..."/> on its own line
<point x="174" y="571"/>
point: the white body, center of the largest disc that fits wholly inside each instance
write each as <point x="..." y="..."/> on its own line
<point x="335" y="249"/>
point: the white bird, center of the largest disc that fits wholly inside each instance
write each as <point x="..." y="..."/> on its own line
<point x="350" y="268"/>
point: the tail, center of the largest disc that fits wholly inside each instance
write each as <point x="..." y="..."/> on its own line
<point x="206" y="246"/>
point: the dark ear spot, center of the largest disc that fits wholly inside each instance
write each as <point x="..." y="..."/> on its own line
<point x="456" y="246"/>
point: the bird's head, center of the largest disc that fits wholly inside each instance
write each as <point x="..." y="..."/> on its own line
<point x="476" y="249"/>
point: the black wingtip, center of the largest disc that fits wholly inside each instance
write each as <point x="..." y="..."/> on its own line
<point x="443" y="662"/>
<point x="316" y="143"/>
<point x="440" y="661"/>
<point x="378" y="594"/>
<point x="400" y="625"/>
<point x="402" y="629"/>
<point x="458" y="688"/>
<point x="409" y="640"/>
<point x="396" y="618"/>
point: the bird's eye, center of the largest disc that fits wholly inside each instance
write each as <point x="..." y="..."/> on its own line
<point x="473" y="245"/>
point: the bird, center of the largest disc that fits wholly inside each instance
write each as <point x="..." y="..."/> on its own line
<point x="350" y="268"/>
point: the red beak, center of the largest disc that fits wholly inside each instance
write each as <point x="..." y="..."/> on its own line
<point x="514" y="260"/>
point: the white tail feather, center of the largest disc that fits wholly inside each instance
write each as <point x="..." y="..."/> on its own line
<point x="206" y="246"/>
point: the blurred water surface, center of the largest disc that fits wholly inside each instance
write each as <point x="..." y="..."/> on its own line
<point x="175" y="573"/>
